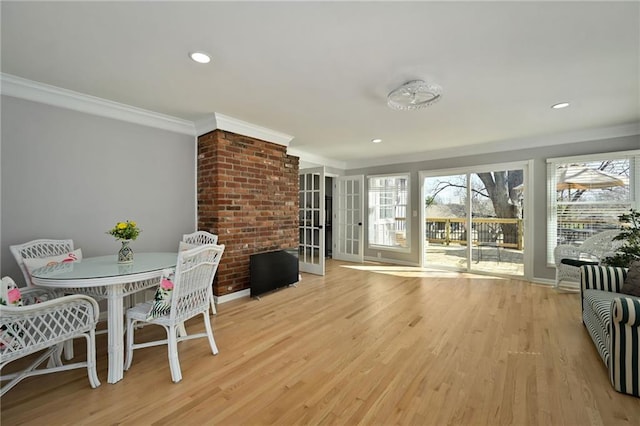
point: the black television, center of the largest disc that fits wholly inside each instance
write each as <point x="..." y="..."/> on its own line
<point x="273" y="270"/>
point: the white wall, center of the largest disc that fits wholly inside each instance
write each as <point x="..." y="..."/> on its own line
<point x="66" y="174"/>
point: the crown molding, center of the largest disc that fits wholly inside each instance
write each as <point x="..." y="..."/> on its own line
<point x="206" y="125"/>
<point x="316" y="159"/>
<point x="503" y="146"/>
<point x="18" y="87"/>
<point x="224" y="122"/>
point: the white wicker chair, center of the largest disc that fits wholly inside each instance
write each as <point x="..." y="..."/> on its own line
<point x="32" y="328"/>
<point x="191" y="293"/>
<point x="593" y="249"/>
<point x="38" y="249"/>
<point x="199" y="238"/>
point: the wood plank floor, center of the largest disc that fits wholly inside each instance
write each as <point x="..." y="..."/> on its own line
<point x="366" y="344"/>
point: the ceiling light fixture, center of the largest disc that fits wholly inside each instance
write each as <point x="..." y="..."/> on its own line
<point x="414" y="94"/>
<point x="200" y="57"/>
<point x="560" y="105"/>
<point x="376" y="140"/>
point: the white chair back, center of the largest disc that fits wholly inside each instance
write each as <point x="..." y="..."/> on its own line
<point x="37" y="249"/>
<point x="195" y="271"/>
<point x="200" y="237"/>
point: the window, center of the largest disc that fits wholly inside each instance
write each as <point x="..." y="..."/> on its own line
<point x="388" y="207"/>
<point x="587" y="194"/>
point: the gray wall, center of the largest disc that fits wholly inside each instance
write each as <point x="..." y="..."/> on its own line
<point x="67" y="174"/>
<point x="538" y="155"/>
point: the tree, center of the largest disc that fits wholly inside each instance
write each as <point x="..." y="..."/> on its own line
<point x="501" y="189"/>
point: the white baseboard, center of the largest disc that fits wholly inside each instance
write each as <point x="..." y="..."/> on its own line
<point x="544" y="281"/>
<point x="393" y="261"/>
<point x="232" y="296"/>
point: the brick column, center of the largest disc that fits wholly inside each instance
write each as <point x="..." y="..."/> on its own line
<point x="248" y="196"/>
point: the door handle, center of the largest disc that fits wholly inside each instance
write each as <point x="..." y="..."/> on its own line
<point x="359" y="223"/>
<point x="319" y="226"/>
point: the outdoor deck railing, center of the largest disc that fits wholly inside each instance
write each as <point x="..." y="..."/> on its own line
<point x="502" y="232"/>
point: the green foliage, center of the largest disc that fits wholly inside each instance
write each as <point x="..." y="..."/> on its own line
<point x="630" y="234"/>
<point x="125" y="230"/>
<point x="430" y="201"/>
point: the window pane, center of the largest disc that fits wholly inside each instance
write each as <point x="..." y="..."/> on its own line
<point x="586" y="197"/>
<point x="388" y="207"/>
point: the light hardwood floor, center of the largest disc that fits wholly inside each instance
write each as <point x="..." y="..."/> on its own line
<point x="368" y="344"/>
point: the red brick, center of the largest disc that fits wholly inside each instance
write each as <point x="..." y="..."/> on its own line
<point x="248" y="195"/>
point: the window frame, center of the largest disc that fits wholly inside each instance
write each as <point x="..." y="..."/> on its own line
<point x="407" y="213"/>
<point x="552" y="202"/>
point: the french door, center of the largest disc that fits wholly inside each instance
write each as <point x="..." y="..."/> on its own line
<point x="311" y="246"/>
<point x="348" y="218"/>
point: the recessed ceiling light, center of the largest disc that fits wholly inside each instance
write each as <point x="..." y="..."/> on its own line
<point x="377" y="140"/>
<point x="560" y="105"/>
<point x="200" y="57"/>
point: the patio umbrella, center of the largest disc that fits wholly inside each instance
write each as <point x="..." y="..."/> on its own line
<point x="585" y="178"/>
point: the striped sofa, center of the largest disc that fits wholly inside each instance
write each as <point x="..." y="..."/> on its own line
<point x="613" y="321"/>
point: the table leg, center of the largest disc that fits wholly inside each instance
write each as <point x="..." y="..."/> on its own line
<point x="115" y="326"/>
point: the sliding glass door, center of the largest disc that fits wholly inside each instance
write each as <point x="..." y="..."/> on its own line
<point x="473" y="220"/>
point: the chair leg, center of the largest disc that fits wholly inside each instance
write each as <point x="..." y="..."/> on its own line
<point x="68" y="349"/>
<point x="91" y="359"/>
<point x="172" y="347"/>
<point x="182" y="331"/>
<point x="55" y="359"/>
<point x="214" y="311"/>
<point x="129" y="351"/>
<point x="212" y="341"/>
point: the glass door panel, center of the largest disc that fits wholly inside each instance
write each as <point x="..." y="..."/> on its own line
<point x="445" y="200"/>
<point x="348" y="219"/>
<point x="496" y="220"/>
<point x="311" y="247"/>
<point x="491" y="205"/>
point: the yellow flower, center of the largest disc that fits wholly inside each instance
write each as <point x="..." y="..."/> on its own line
<point x="125" y="230"/>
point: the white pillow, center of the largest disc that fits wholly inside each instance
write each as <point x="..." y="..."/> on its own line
<point x="186" y="246"/>
<point x="39" y="262"/>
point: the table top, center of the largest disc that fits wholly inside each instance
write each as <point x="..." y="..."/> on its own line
<point x="106" y="267"/>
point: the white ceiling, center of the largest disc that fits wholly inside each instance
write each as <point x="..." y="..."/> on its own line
<point x="320" y="71"/>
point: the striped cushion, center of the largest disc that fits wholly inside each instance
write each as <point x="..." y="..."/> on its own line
<point x="607" y="278"/>
<point x="625" y="345"/>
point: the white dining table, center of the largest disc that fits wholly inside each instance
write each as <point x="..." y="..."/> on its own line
<point x="103" y="277"/>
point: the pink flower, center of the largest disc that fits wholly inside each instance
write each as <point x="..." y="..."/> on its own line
<point x="14" y="295"/>
<point x="71" y="257"/>
<point x="166" y="284"/>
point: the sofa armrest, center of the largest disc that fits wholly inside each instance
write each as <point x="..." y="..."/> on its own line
<point x="624" y="368"/>
<point x="604" y="278"/>
<point x="626" y="311"/>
